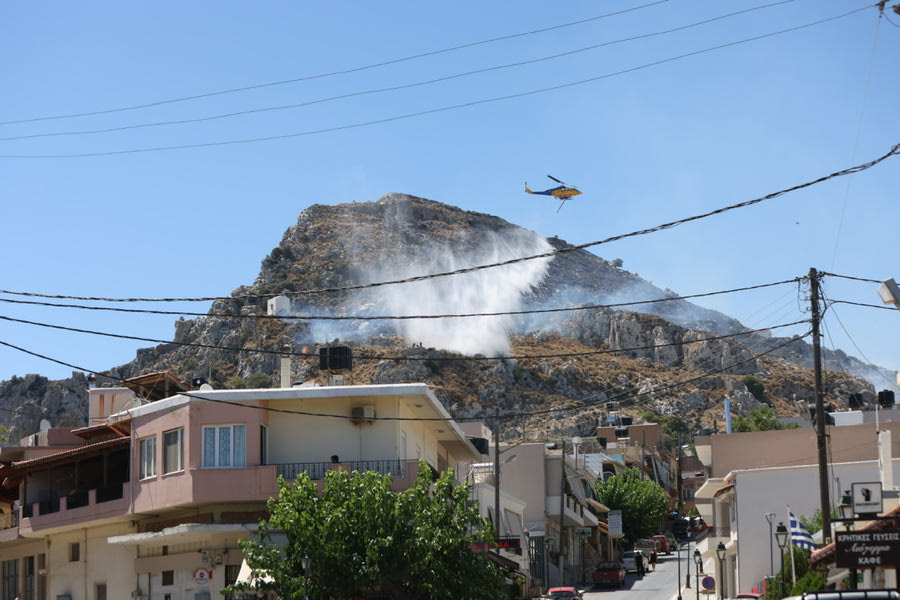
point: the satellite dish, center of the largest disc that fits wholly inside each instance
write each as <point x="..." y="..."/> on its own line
<point x="206" y="387"/>
<point x="45" y="425"/>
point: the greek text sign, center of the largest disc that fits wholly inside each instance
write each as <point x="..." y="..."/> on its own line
<point x="867" y="549"/>
<point x="614" y="519"/>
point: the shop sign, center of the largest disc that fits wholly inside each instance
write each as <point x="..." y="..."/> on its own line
<point x="614" y="520"/>
<point x="867" y="549"/>
<point x="202" y="576"/>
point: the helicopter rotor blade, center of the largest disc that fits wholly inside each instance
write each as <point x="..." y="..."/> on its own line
<point x="556" y="180"/>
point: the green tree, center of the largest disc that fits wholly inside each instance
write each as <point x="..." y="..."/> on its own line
<point x="643" y="502"/>
<point x="674" y="429"/>
<point x="361" y="537"/>
<point x="755" y="386"/>
<point x="259" y="380"/>
<point x="761" y="419"/>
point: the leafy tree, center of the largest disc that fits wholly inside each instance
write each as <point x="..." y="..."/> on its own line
<point x="259" y="380"/>
<point x="674" y="429"/>
<point x="755" y="386"/>
<point x="761" y="419"/>
<point x="643" y="502"/>
<point x="236" y="383"/>
<point x="360" y="537"/>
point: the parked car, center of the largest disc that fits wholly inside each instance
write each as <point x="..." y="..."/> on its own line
<point x="609" y="572"/>
<point x="645" y="547"/>
<point x="564" y="593"/>
<point x="672" y="543"/>
<point x="662" y="544"/>
<point x="629" y="561"/>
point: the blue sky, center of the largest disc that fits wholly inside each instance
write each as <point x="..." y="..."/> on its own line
<point x="648" y="138"/>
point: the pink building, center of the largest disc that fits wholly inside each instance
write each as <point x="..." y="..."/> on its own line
<point x="150" y="499"/>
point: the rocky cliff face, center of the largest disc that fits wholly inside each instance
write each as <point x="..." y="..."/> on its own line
<point x="555" y="369"/>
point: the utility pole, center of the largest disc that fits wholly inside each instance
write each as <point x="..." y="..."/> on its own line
<point x="497" y="478"/>
<point x="821" y="438"/>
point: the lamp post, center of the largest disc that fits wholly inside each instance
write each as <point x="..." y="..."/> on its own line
<point x="720" y="553"/>
<point x="846" y="509"/>
<point x="770" y="517"/>
<point x="687" y="569"/>
<point x="698" y="562"/>
<point x="781" y="535"/>
<point x="305" y="562"/>
<point x="678" y="562"/>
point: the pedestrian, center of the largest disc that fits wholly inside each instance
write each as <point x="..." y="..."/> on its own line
<point x="640" y="564"/>
<point x="653" y="560"/>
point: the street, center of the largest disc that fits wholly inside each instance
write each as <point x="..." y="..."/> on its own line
<point x="661" y="584"/>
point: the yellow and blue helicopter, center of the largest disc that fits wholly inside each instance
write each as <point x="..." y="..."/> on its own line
<point x="561" y="192"/>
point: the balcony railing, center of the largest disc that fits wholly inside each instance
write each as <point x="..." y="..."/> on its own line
<point x="317" y="470"/>
<point x="77" y="499"/>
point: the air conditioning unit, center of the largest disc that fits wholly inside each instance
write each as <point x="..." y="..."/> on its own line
<point x="362" y="414"/>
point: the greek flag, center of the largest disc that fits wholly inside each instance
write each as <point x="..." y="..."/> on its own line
<point x="799" y="535"/>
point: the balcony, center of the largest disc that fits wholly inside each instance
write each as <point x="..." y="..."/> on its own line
<point x="575" y="514"/>
<point x="403" y="471"/>
<point x="100" y="504"/>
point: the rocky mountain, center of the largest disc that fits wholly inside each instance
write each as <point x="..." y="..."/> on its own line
<point x="549" y="371"/>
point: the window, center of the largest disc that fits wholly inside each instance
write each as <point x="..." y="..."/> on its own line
<point x="173" y="451"/>
<point x="147" y="449"/>
<point x="100" y="591"/>
<point x="168" y="577"/>
<point x="263" y="445"/>
<point x="10" y="578"/>
<point x="224" y="446"/>
<point x="74" y="552"/>
<point x="28" y="573"/>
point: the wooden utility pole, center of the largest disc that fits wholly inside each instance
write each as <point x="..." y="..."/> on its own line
<point x="821" y="436"/>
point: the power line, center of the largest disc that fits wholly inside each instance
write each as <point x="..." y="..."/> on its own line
<point x="359" y="317"/>
<point x="333" y="73"/>
<point x="398" y="358"/>
<point x="855" y="169"/>
<point x="397" y="87"/>
<point x="195" y="396"/>
<point x="825" y="273"/>
<point x="433" y="110"/>
<point x="862" y="304"/>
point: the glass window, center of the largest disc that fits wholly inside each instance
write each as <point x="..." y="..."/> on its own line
<point x="74" y="552"/>
<point x="224" y="446"/>
<point x="147" y="449"/>
<point x="263" y="445"/>
<point x="10" y="578"/>
<point x="173" y="451"/>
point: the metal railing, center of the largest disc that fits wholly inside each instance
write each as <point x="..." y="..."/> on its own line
<point x="317" y="470"/>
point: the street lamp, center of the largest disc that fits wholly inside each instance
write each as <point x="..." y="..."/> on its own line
<point x="847" y="515"/>
<point x="781" y="535"/>
<point x="678" y="559"/>
<point x="305" y="562"/>
<point x="770" y="517"/>
<point x="720" y="552"/>
<point x="698" y="563"/>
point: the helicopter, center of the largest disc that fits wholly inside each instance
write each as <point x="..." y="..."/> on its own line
<point x="561" y="192"/>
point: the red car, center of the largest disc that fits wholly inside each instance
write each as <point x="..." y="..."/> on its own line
<point x="609" y="572"/>
<point x="564" y="593"/>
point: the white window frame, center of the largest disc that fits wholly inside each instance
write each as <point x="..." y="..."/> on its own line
<point x="147" y="457"/>
<point x="179" y="443"/>
<point x="237" y="452"/>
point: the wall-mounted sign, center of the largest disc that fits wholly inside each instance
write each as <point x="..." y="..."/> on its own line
<point x="866" y="549"/>
<point x="202" y="576"/>
<point x="583" y="531"/>
<point x="508" y="542"/>
<point x="867" y="498"/>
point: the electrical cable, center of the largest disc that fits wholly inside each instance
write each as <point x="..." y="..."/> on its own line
<point x="333" y="73"/>
<point x="428" y="111"/>
<point x="391" y="317"/>
<point x="863" y="304"/>
<point x="196" y="396"/>
<point x="282" y="352"/>
<point x="855" y="169"/>
<point x="397" y="87"/>
<point x="827" y="274"/>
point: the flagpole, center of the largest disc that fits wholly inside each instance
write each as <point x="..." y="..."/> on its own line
<point x="791" y="535"/>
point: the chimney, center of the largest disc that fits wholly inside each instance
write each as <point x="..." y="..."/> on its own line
<point x="286" y="366"/>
